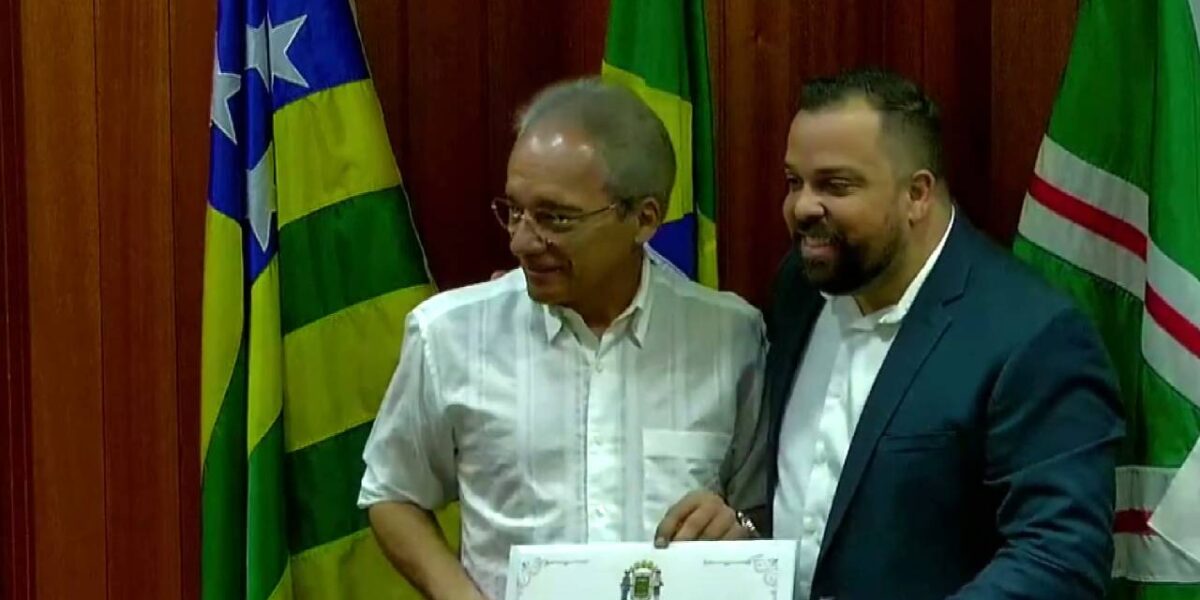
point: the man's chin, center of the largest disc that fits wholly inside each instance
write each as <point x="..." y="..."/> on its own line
<point x="547" y="298"/>
<point x="552" y="294"/>
<point x="828" y="279"/>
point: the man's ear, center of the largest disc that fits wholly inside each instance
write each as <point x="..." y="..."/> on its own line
<point x="921" y="194"/>
<point x="649" y="214"/>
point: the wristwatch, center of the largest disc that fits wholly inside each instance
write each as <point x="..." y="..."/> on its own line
<point x="744" y="520"/>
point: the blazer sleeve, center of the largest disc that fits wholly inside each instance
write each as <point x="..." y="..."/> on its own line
<point x="1053" y="425"/>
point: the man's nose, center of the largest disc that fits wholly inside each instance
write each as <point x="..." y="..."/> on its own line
<point x="525" y="240"/>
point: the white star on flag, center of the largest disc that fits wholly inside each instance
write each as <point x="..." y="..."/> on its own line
<point x="281" y="40"/>
<point x="258" y="52"/>
<point x="224" y="86"/>
<point x="260" y="196"/>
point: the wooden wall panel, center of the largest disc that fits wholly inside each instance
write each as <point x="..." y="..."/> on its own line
<point x="445" y="159"/>
<point x="383" y="26"/>
<point x="66" y="390"/>
<point x="756" y="92"/>
<point x="955" y="74"/>
<point x="16" y="473"/>
<point x="137" y="297"/>
<point x="191" y="26"/>
<point x="1030" y="43"/>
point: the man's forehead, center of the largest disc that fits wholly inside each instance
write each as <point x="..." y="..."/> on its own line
<point x="853" y="115"/>
<point x="841" y="136"/>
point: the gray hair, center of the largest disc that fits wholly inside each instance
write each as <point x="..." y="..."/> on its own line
<point x="631" y="139"/>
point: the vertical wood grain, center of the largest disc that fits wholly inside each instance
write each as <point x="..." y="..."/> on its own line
<point x="16" y="467"/>
<point x="191" y="51"/>
<point x="137" y="283"/>
<point x="66" y="385"/>
<point x="1031" y="40"/>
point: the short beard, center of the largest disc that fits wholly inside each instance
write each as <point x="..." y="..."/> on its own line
<point x="854" y="268"/>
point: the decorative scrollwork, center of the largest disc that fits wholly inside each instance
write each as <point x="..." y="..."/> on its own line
<point x="767" y="567"/>
<point x="531" y="567"/>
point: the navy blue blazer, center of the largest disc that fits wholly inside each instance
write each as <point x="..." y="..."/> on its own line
<point x="983" y="463"/>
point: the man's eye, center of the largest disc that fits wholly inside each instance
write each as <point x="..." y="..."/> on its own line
<point x="554" y="219"/>
<point x="839" y="187"/>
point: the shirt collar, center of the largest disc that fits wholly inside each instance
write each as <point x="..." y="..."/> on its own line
<point x="849" y="314"/>
<point x="637" y="314"/>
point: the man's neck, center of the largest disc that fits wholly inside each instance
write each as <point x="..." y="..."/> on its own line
<point x="600" y="311"/>
<point x="890" y="286"/>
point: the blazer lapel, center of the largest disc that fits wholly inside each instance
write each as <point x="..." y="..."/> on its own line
<point x="924" y="325"/>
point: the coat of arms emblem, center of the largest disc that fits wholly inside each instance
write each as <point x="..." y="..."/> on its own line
<point x="642" y="581"/>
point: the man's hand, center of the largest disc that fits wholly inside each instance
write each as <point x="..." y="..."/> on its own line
<point x="700" y="515"/>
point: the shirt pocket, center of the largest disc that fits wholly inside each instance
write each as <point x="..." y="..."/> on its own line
<point x="676" y="462"/>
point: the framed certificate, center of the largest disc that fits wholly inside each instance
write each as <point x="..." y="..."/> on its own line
<point x="746" y="570"/>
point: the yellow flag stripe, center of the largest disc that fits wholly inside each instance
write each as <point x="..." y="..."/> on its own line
<point x="326" y="397"/>
<point x="354" y="566"/>
<point x="707" y="265"/>
<point x="350" y="567"/>
<point x="221" y="331"/>
<point x="285" y="589"/>
<point x="676" y="115"/>
<point x="265" y="397"/>
<point x="346" y="123"/>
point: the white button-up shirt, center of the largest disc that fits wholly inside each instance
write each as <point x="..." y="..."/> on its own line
<point x="844" y="355"/>
<point x="546" y="433"/>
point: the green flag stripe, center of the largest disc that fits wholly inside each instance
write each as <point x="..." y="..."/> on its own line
<point x="323" y="482"/>
<point x="1169" y="424"/>
<point x="647" y="38"/>
<point x="346" y="253"/>
<point x="1123" y="589"/>
<point x="1175" y="191"/>
<point x="666" y="44"/>
<point x="266" y="522"/>
<point x="1150" y="138"/>
<point x="223" y="495"/>
<point x="1162" y="425"/>
<point x="704" y="153"/>
<point x="1096" y="118"/>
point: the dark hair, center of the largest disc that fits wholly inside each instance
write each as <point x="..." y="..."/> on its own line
<point x="908" y="114"/>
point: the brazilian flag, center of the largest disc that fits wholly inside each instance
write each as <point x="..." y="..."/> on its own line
<point x="311" y="264"/>
<point x="659" y="49"/>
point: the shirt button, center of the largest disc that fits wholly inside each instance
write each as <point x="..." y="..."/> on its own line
<point x="599" y="367"/>
<point x="600" y="512"/>
<point x="812" y="525"/>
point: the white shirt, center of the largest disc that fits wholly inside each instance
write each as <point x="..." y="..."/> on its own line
<point x="845" y="352"/>
<point x="547" y="434"/>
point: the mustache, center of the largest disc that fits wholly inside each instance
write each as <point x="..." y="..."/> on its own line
<point x="815" y="228"/>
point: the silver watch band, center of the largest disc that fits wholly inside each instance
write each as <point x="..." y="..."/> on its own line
<point x="744" y="520"/>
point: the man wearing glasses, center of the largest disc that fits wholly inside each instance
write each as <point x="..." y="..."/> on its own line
<point x="580" y="397"/>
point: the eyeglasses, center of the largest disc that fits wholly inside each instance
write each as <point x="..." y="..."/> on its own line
<point x="545" y="223"/>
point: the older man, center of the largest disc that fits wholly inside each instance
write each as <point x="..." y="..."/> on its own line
<point x="577" y="398"/>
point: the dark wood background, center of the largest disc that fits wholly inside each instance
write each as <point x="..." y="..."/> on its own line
<point x="103" y="158"/>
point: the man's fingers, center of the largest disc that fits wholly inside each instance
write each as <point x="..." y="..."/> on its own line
<point x="737" y="532"/>
<point x="671" y="522"/>
<point x="720" y="525"/>
<point x="695" y="524"/>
